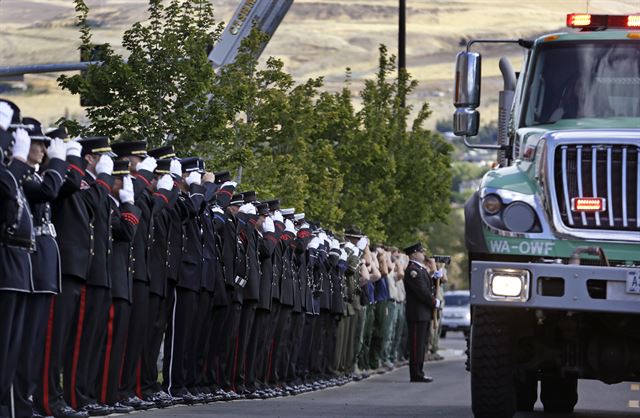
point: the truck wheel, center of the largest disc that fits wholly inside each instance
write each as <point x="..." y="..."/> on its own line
<point x="493" y="391"/>
<point x="559" y="394"/>
<point x="526" y="392"/>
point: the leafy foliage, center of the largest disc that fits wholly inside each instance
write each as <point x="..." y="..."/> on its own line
<point x="317" y="151"/>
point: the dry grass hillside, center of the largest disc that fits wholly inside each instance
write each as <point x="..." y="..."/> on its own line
<point x="317" y="38"/>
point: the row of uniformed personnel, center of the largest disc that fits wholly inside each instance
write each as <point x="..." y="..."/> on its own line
<point x="109" y="250"/>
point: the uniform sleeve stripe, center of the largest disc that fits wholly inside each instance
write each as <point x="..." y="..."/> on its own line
<point x="141" y="177"/>
<point x="166" y="200"/>
<point x="104" y="184"/>
<point x="130" y="217"/>
<point x="78" y="169"/>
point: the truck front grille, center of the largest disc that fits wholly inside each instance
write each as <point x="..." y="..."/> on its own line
<point x="607" y="171"/>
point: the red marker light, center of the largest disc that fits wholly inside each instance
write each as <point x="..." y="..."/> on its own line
<point x="587" y="204"/>
<point x="578" y="20"/>
<point x="633" y="21"/>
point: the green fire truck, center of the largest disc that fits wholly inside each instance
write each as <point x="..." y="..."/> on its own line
<point x="553" y="232"/>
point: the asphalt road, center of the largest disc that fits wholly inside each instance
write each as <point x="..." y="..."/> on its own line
<point x="391" y="395"/>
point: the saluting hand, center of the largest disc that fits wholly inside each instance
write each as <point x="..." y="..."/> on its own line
<point x="126" y="193"/>
<point x="165" y="183"/>
<point x="6" y="114"/>
<point x="194" y="178"/>
<point x="21" y="145"/>
<point x="148" y="164"/>
<point x="57" y="149"/>
<point x="74" y="148"/>
<point x="268" y="226"/>
<point x="105" y="165"/>
<point x="175" y="168"/>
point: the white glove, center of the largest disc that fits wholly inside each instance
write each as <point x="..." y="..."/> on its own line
<point x="217" y="209"/>
<point x="277" y="216"/>
<point x="314" y="243"/>
<point x="165" y="183"/>
<point x="247" y="208"/>
<point x="334" y="244"/>
<point x="126" y="192"/>
<point x="362" y="243"/>
<point x="22" y="144"/>
<point x="105" y="165"/>
<point x="74" y="148"/>
<point x="438" y="274"/>
<point x="438" y="303"/>
<point x="194" y="177"/>
<point x="289" y="227"/>
<point x="6" y="114"/>
<point x="323" y="237"/>
<point x="148" y="164"/>
<point x="175" y="168"/>
<point x="268" y="226"/>
<point x="343" y="254"/>
<point x="229" y="183"/>
<point x="57" y="149"/>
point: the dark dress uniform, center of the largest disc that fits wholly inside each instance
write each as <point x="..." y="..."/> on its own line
<point x="420" y="302"/>
<point x="287" y="300"/>
<point x="295" y="372"/>
<point x="250" y="297"/>
<point x="198" y="360"/>
<point x="125" y="218"/>
<point x="233" y="257"/>
<point x="158" y="290"/>
<point x="258" y="344"/>
<point x="39" y="189"/>
<point x="94" y="310"/>
<point x="224" y="283"/>
<point x="180" y="331"/>
<point x="72" y="214"/>
<point x="151" y="205"/>
<point x="16" y="240"/>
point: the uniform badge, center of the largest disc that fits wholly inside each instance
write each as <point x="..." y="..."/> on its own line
<point x="414" y="274"/>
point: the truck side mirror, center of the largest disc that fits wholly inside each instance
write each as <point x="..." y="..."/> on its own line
<point x="466" y="119"/>
<point x="468" y="73"/>
<point x="466" y="122"/>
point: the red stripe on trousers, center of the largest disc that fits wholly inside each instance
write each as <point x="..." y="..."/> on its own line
<point x="47" y="359"/>
<point x="139" y="378"/>
<point x="76" y="346"/>
<point x="107" y="355"/>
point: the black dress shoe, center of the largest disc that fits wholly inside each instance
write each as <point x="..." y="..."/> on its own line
<point x="119" y="408"/>
<point x="68" y="412"/>
<point x="423" y="379"/>
<point x="138" y="404"/>
<point x="97" y="410"/>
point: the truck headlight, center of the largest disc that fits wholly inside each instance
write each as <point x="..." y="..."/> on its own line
<point x="506" y="285"/>
<point x="519" y="217"/>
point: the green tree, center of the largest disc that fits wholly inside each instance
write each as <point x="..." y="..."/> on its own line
<point x="160" y="92"/>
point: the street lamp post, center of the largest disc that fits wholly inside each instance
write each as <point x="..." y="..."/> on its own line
<point x="402" y="38"/>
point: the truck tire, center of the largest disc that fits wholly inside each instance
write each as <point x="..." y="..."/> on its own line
<point x="526" y="392"/>
<point x="493" y="393"/>
<point x="559" y="394"/>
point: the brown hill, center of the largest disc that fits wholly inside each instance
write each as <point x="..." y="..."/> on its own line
<point x="317" y="38"/>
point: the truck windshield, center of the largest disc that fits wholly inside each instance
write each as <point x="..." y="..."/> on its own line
<point x="575" y="80"/>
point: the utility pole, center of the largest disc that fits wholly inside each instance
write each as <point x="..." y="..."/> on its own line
<point x="402" y="39"/>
